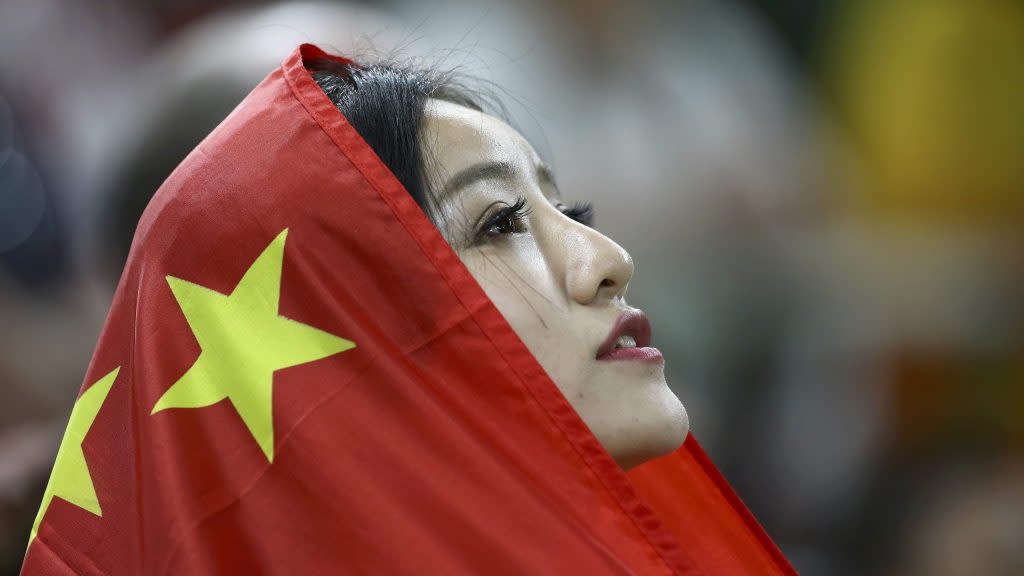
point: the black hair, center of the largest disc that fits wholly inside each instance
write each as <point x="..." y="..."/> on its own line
<point x="384" y="102"/>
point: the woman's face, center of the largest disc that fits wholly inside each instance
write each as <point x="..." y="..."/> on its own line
<point x="560" y="283"/>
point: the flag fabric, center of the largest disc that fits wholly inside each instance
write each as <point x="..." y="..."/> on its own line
<point x="298" y="376"/>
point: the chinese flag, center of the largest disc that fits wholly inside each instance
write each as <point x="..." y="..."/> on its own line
<point x="299" y="376"/>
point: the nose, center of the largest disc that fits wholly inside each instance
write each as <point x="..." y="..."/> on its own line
<point x="597" y="268"/>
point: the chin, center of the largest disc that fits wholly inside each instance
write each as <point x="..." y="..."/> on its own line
<point x="653" y="436"/>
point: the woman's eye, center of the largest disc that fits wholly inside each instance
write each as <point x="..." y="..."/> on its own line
<point x="582" y="212"/>
<point x="512" y="219"/>
<point x="506" y="224"/>
<point x="506" y="220"/>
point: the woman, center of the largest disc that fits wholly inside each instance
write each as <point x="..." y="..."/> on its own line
<point x="559" y="282"/>
<point x="377" y="341"/>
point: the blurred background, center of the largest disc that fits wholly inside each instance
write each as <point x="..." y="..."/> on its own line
<point x="824" y="200"/>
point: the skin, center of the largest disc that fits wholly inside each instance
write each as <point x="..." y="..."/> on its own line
<point x="560" y="283"/>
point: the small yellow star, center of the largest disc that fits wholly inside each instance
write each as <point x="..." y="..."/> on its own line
<point x="70" y="478"/>
<point x="243" y="341"/>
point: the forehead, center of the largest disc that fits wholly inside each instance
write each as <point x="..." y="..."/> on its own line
<point x="458" y="137"/>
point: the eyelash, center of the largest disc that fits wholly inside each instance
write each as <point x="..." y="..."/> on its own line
<point x="582" y="212"/>
<point x="510" y="218"/>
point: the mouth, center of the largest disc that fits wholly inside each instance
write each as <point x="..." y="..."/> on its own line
<point x="629" y="339"/>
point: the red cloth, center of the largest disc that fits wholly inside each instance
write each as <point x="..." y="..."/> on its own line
<point x="438" y="445"/>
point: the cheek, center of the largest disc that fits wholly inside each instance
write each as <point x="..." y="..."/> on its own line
<point x="523" y="290"/>
<point x="520" y="290"/>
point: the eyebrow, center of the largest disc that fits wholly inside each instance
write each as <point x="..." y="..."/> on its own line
<point x="495" y="170"/>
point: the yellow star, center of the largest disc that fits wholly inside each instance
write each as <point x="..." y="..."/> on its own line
<point x="70" y="479"/>
<point x="243" y="341"/>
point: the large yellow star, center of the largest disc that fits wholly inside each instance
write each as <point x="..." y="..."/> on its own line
<point x="70" y="479"/>
<point x="243" y="341"/>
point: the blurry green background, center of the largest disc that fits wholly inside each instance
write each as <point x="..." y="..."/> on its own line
<point x="824" y="200"/>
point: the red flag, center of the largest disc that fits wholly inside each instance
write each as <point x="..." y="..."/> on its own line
<point x="299" y="376"/>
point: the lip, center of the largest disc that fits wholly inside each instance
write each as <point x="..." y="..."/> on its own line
<point x="631" y="323"/>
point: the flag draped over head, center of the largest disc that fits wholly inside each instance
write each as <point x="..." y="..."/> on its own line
<point x="299" y="376"/>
